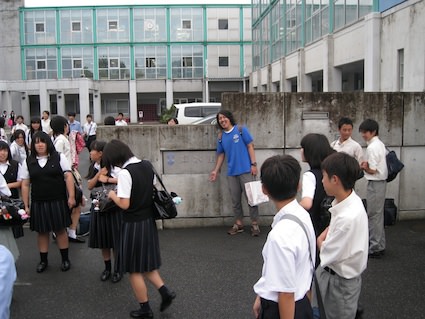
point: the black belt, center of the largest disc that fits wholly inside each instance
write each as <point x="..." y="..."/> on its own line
<point x="329" y="270"/>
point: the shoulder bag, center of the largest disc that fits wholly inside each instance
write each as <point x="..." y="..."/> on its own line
<point x="163" y="204"/>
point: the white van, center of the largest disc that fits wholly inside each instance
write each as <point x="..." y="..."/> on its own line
<point x="188" y="113"/>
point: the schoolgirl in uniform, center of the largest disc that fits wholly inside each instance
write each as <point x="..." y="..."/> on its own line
<point x="139" y="252"/>
<point x="52" y="196"/>
<point x="104" y="226"/>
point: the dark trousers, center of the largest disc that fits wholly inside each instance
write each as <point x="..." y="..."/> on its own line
<point x="90" y="139"/>
<point x="270" y="309"/>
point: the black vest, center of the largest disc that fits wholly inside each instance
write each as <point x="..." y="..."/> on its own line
<point x="11" y="175"/>
<point x="48" y="182"/>
<point x="141" y="192"/>
<point x="316" y="208"/>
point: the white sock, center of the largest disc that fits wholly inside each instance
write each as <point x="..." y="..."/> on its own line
<point x="72" y="233"/>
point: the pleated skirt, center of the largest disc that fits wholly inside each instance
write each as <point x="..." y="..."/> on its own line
<point x="105" y="229"/>
<point x="49" y="216"/>
<point x="139" y="247"/>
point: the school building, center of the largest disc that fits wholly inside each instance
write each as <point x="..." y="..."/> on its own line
<point x="338" y="45"/>
<point x="134" y="59"/>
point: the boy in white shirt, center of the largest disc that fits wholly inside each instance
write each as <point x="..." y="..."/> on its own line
<point x="288" y="252"/>
<point x="345" y="143"/>
<point x="376" y="173"/>
<point x="344" y="244"/>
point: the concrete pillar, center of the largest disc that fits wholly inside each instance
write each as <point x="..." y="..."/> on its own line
<point x="285" y="85"/>
<point x="7" y="102"/>
<point x="206" y="91"/>
<point x="97" y="107"/>
<point x="25" y="107"/>
<point x="132" y="90"/>
<point x="44" y="97"/>
<point x="169" y="93"/>
<point x="83" y="91"/>
<point x="372" y="61"/>
<point x="332" y="77"/>
<point x="303" y="80"/>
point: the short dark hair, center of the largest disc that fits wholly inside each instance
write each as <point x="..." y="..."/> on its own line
<point x="116" y="153"/>
<point x="316" y="148"/>
<point x="109" y="120"/>
<point x="20" y="117"/>
<point x="71" y="114"/>
<point x="58" y="124"/>
<point x="89" y="115"/>
<point x="41" y="136"/>
<point x="120" y="113"/>
<point x="227" y="114"/>
<point x="345" y="121"/>
<point x="47" y="112"/>
<point x="344" y="166"/>
<point x="280" y="176"/>
<point x="369" y="125"/>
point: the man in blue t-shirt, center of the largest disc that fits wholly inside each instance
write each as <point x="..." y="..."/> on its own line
<point x="237" y="144"/>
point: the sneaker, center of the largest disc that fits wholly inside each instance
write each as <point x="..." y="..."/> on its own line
<point x="236" y="229"/>
<point x="255" y="230"/>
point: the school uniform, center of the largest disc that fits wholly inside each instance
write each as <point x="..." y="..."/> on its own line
<point x="288" y="265"/>
<point x="139" y="243"/>
<point x="350" y="147"/>
<point x="343" y="255"/>
<point x="375" y="195"/>
<point x="49" y="201"/>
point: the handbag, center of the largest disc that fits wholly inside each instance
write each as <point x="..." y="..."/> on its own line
<point x="394" y="165"/>
<point x="78" y="192"/>
<point x="163" y="204"/>
<point x="12" y="212"/>
<point x="254" y="193"/>
<point x="101" y="202"/>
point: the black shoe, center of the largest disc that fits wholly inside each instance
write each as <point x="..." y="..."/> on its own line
<point x="166" y="301"/>
<point x="66" y="265"/>
<point x="77" y="239"/>
<point x="116" y="277"/>
<point x="359" y="312"/>
<point x="105" y="275"/>
<point x="139" y="314"/>
<point x="41" y="266"/>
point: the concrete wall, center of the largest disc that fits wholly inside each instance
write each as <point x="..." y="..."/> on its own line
<point x="185" y="154"/>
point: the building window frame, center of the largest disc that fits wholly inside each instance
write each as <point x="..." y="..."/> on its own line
<point x="400" y="69"/>
<point x="112" y="25"/>
<point x="75" y="26"/>
<point x="223" y="61"/>
<point x="186" y="24"/>
<point x="223" y="24"/>
<point x="41" y="64"/>
<point x="187" y="61"/>
<point x="150" y="62"/>
<point x="40" y="27"/>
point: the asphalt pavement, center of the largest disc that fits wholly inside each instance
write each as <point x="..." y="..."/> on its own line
<point x="212" y="274"/>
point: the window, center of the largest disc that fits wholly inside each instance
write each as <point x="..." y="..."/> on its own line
<point x="401" y="69"/>
<point x="113" y="25"/>
<point x="77" y="64"/>
<point x="150" y="62"/>
<point x="113" y="63"/>
<point x="223" y="61"/>
<point x="187" y="61"/>
<point x="39" y="27"/>
<point x="223" y="24"/>
<point x="187" y="24"/>
<point x="76" y="26"/>
<point x="41" y="64"/>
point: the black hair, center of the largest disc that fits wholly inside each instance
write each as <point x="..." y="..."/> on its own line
<point x="116" y="153"/>
<point x="316" y="148"/>
<point x="344" y="166"/>
<point x="227" y="114"/>
<point x="42" y="137"/>
<point x="20" y="117"/>
<point x="71" y="114"/>
<point x="98" y="146"/>
<point x="109" y="120"/>
<point x="58" y="124"/>
<point x="35" y="120"/>
<point x="5" y="146"/>
<point x="369" y="125"/>
<point x="47" y="112"/>
<point x="174" y="119"/>
<point x="120" y="113"/>
<point x="89" y="115"/>
<point x="345" y="121"/>
<point x="280" y="176"/>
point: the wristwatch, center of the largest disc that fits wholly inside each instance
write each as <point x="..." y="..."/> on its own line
<point x="254" y="164"/>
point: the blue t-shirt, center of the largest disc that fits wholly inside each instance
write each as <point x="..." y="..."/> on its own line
<point x="234" y="145"/>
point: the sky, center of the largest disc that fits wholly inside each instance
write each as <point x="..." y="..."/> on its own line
<point x="62" y="3"/>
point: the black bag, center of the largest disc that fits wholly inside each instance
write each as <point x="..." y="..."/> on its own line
<point x="394" y="165"/>
<point x="325" y="215"/>
<point x="78" y="192"/>
<point x="100" y="200"/>
<point x="10" y="210"/>
<point x="390" y="212"/>
<point x="163" y="204"/>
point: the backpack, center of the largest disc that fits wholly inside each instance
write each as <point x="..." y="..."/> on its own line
<point x="220" y="134"/>
<point x="394" y="165"/>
